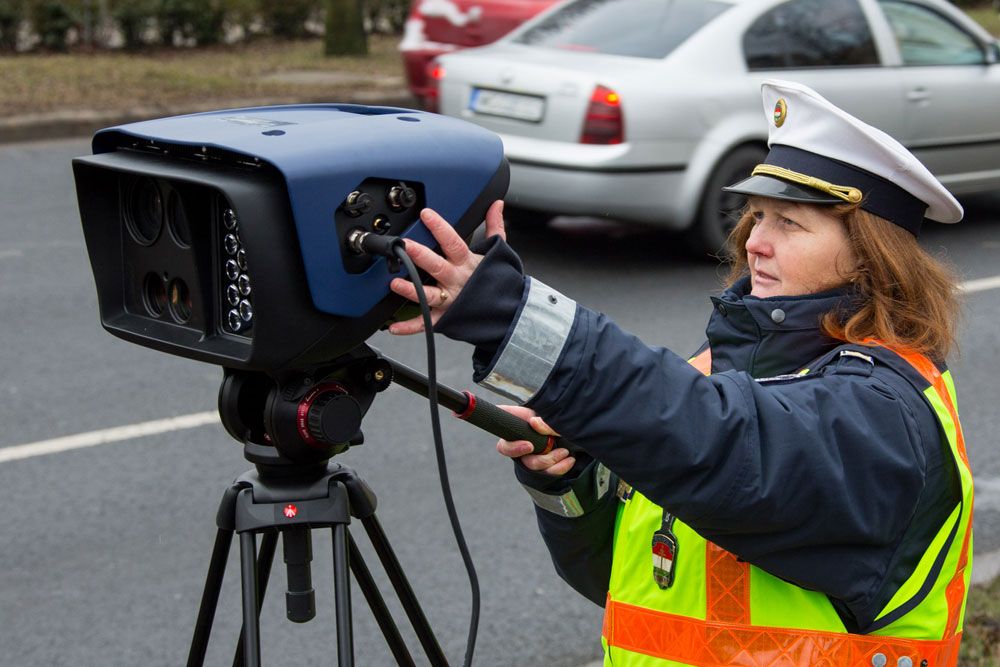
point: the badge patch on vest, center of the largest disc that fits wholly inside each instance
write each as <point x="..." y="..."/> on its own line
<point x="665" y="553"/>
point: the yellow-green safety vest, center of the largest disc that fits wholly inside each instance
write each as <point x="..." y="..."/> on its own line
<point x="724" y="611"/>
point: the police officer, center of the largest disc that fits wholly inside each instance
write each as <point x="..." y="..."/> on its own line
<point x="798" y="492"/>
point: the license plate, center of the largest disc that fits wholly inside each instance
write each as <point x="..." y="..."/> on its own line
<point x="508" y="105"/>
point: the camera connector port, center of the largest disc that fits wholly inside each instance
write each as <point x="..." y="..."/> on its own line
<point x="401" y="197"/>
<point x="358" y="203"/>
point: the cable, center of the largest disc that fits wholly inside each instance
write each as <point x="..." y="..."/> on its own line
<point x="432" y="395"/>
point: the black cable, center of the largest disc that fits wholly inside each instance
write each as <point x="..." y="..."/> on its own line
<point x="432" y="395"/>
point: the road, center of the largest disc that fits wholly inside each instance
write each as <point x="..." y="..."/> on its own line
<point x="104" y="549"/>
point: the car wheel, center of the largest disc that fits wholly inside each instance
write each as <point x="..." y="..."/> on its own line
<point x="719" y="211"/>
<point x="525" y="217"/>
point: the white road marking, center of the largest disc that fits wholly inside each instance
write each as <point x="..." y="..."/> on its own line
<point x="985" y="566"/>
<point x="116" y="434"/>
<point x="980" y="284"/>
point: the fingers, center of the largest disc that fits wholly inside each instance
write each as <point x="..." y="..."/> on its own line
<point x="452" y="245"/>
<point x="494" y="221"/>
<point x="528" y="415"/>
<point x="429" y="261"/>
<point x="557" y="462"/>
<point x="436" y="296"/>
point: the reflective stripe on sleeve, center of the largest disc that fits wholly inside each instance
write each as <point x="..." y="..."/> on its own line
<point x="535" y="345"/>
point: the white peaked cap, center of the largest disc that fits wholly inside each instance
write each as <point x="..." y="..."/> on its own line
<point x="822" y="154"/>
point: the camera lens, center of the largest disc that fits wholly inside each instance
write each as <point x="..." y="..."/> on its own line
<point x="180" y="301"/>
<point x="229" y="219"/>
<point x="144" y="210"/>
<point x="233" y="295"/>
<point x="241" y="259"/>
<point x="231" y="243"/>
<point x="234" y="320"/>
<point x="246" y="311"/>
<point x="154" y="294"/>
<point x="177" y="220"/>
<point x="244" y="285"/>
<point x="232" y="269"/>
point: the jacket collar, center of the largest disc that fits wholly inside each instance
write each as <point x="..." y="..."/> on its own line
<point x="770" y="336"/>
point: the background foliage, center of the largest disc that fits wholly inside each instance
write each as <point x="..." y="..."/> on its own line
<point x="62" y="25"/>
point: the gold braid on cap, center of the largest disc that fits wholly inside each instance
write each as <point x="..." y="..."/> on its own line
<point x="847" y="193"/>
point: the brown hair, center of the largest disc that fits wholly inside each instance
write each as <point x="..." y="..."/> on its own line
<point x="906" y="298"/>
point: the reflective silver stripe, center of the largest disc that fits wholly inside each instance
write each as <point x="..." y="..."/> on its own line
<point x="534" y="346"/>
<point x="568" y="504"/>
<point x="565" y="505"/>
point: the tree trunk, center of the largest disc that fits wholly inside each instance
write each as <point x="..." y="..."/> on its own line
<point x="345" y="29"/>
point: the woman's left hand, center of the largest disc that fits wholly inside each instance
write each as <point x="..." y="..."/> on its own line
<point x="451" y="271"/>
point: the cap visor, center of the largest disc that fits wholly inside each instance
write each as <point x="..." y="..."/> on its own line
<point x="766" y="186"/>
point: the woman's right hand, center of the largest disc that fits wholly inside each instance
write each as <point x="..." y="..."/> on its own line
<point x="451" y="271"/>
<point x="556" y="463"/>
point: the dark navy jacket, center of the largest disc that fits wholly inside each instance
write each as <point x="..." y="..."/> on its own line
<point x="836" y="481"/>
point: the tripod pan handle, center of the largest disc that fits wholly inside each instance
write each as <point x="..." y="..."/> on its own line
<point x="502" y="424"/>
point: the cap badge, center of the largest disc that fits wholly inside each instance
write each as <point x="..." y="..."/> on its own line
<point x="780" y="112"/>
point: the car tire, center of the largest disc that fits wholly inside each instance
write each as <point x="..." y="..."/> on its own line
<point x="718" y="211"/>
<point x="525" y="217"/>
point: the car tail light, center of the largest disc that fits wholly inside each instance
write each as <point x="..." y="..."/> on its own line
<point x="435" y="72"/>
<point x="603" y="123"/>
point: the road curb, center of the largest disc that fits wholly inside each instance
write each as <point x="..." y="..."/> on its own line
<point x="84" y="122"/>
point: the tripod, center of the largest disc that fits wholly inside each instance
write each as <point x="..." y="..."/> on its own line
<point x="291" y="426"/>
<point x="293" y="505"/>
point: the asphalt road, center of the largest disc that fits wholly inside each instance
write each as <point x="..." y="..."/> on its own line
<point x="104" y="549"/>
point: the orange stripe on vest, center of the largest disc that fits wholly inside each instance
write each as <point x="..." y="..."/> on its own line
<point x="706" y="644"/>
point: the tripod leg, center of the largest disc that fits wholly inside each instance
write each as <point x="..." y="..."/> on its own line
<point x="342" y="593"/>
<point x="377" y="605"/>
<point x="403" y="590"/>
<point x="251" y="600"/>
<point x="210" y="598"/>
<point x="264" y="560"/>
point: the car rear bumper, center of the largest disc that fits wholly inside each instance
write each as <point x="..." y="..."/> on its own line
<point x="646" y="195"/>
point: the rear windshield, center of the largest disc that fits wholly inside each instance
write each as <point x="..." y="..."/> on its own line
<point x="641" y="28"/>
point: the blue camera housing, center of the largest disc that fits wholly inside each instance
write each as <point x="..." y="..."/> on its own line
<point x="323" y="151"/>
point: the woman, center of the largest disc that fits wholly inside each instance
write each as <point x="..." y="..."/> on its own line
<point x="797" y="493"/>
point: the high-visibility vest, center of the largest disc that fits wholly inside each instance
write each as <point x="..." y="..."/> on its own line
<point x="723" y="611"/>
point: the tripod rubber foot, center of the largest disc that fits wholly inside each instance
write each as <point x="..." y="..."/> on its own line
<point x="300" y="606"/>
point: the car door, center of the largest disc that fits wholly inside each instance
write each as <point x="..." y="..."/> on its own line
<point x="829" y="46"/>
<point x="952" y="91"/>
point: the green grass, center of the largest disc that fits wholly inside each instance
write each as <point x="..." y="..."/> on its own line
<point x="981" y="644"/>
<point x="33" y="83"/>
<point x="987" y="17"/>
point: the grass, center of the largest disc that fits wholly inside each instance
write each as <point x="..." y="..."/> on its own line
<point x="981" y="644"/>
<point x="987" y="17"/>
<point x="39" y="83"/>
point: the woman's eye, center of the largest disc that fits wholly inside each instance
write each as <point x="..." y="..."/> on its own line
<point x="757" y="216"/>
<point x="789" y="223"/>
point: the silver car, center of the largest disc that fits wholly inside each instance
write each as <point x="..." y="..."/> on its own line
<point x="641" y="110"/>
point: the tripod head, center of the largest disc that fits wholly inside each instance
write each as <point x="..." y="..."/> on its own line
<point x="294" y="422"/>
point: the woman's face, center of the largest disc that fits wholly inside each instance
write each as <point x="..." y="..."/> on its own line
<point x="796" y="249"/>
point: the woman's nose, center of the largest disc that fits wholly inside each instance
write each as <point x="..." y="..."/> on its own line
<point x="758" y="243"/>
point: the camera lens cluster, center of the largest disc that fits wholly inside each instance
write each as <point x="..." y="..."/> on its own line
<point x="237" y="290"/>
<point x="146" y="215"/>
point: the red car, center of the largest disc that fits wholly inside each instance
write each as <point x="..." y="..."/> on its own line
<point x="441" y="26"/>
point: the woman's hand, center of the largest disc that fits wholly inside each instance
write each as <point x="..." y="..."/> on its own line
<point x="556" y="463"/>
<point x="451" y="271"/>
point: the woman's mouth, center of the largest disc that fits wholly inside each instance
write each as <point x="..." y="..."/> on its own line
<point x="763" y="278"/>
